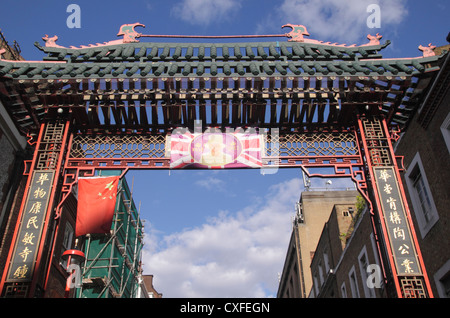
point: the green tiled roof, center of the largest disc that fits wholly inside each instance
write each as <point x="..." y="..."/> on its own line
<point x="226" y="76"/>
<point x="232" y="59"/>
<point x="211" y="51"/>
<point x="207" y="69"/>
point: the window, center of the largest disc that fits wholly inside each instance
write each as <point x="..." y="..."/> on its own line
<point x="421" y="197"/>
<point x="445" y="282"/>
<point x="343" y="291"/>
<point x="321" y="274"/>
<point x="316" y="284"/>
<point x="442" y="280"/>
<point x="363" y="263"/>
<point x="353" y="283"/>
<point x="67" y="240"/>
<point x="326" y="261"/>
<point x="445" y="129"/>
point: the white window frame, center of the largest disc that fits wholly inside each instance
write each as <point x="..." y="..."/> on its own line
<point x="375" y="255"/>
<point x="424" y="225"/>
<point x="368" y="292"/>
<point x="354" y="283"/>
<point x="445" y="130"/>
<point x="343" y="291"/>
<point x="321" y="277"/>
<point x="441" y="273"/>
<point x="326" y="262"/>
<point x="316" y="284"/>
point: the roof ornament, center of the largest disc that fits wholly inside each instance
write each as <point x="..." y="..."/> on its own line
<point x="373" y="39"/>
<point x="129" y="35"/>
<point x="128" y="32"/>
<point x="51" y="42"/>
<point x="298" y="31"/>
<point x="428" y="50"/>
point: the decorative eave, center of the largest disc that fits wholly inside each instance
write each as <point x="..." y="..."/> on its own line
<point x="217" y="68"/>
<point x="312" y="83"/>
<point x="436" y="93"/>
<point x="299" y="56"/>
<point x="189" y="52"/>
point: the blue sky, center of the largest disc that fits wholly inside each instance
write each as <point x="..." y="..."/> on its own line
<point x="222" y="233"/>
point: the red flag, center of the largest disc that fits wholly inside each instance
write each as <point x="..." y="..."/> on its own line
<point x="96" y="204"/>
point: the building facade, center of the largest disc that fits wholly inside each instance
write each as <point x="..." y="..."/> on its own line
<point x="13" y="148"/>
<point x="425" y="148"/>
<point x="13" y="152"/>
<point x="346" y="263"/>
<point x="148" y="289"/>
<point x="313" y="211"/>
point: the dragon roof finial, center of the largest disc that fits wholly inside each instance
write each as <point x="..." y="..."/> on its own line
<point x="51" y="42"/>
<point x="128" y="32"/>
<point x="298" y="31"/>
<point x="428" y="50"/>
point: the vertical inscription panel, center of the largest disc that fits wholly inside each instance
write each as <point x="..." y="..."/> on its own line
<point x="402" y="245"/>
<point x="29" y="236"/>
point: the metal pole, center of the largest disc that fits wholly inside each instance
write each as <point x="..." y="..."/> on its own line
<point x="212" y="36"/>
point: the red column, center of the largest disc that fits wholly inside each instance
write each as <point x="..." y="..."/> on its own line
<point x="26" y="262"/>
<point x="402" y="251"/>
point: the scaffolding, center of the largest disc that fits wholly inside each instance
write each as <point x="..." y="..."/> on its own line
<point x="112" y="268"/>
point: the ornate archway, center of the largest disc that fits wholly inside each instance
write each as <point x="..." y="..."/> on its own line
<point x="120" y="104"/>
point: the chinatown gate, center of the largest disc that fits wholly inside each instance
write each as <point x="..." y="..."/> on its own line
<point x="127" y="104"/>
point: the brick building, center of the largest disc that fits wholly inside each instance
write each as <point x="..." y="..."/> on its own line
<point x="12" y="155"/>
<point x="426" y="148"/>
<point x="313" y="212"/>
<point x="345" y="250"/>
<point x="148" y="287"/>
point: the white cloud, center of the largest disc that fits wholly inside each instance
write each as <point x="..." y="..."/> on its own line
<point x="211" y="183"/>
<point x="336" y="20"/>
<point x="204" y="12"/>
<point x="231" y="255"/>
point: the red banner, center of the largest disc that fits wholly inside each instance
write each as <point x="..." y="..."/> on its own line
<point x="96" y="204"/>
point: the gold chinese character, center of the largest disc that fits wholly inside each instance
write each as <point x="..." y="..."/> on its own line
<point x="42" y="178"/>
<point x="387" y="188"/>
<point x="25" y="253"/>
<point x="39" y="193"/>
<point x="384" y="175"/>
<point x="399" y="233"/>
<point x="21" y="271"/>
<point x="28" y="238"/>
<point x="32" y="221"/>
<point x="407" y="263"/>
<point x="391" y="202"/>
<point x="35" y="208"/>
<point x="394" y="217"/>
<point x="404" y="249"/>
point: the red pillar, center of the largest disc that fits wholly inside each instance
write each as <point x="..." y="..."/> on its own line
<point x="402" y="251"/>
<point x="26" y="262"/>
